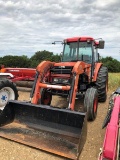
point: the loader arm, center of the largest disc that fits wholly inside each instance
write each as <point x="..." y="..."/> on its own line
<point x="43" y="81"/>
<point x="78" y="69"/>
<point x="42" y="70"/>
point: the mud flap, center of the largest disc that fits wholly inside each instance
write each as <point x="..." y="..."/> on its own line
<point x="60" y="131"/>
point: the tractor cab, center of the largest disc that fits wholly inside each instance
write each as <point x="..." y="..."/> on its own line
<point x="81" y="49"/>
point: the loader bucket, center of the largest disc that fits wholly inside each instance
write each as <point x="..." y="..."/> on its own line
<point x="60" y="131"/>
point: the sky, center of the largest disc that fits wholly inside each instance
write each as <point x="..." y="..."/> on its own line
<point x="28" y="26"/>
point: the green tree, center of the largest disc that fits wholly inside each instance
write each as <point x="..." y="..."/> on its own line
<point x="112" y="64"/>
<point x="56" y="58"/>
<point x="25" y="62"/>
<point x="15" y="61"/>
<point x="40" y="56"/>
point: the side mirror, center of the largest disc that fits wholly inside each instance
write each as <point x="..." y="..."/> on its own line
<point x="101" y="44"/>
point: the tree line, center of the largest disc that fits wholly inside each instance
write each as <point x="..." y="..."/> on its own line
<point x="23" y="61"/>
<point x="112" y="64"/>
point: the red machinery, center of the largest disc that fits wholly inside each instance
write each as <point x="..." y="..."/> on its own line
<point x="110" y="149"/>
<point x="17" y="74"/>
<point x="23" y="77"/>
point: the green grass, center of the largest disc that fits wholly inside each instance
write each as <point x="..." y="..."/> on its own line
<point x="113" y="81"/>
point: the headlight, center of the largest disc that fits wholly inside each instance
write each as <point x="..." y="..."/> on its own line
<point x="65" y="81"/>
<point x="55" y="80"/>
<point x="59" y="80"/>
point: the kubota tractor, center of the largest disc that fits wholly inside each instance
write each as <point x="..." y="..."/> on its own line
<point x="60" y="131"/>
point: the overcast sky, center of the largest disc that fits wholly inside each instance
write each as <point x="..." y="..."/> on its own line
<point x="27" y="26"/>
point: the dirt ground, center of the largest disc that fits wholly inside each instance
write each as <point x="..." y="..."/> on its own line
<point x="15" y="151"/>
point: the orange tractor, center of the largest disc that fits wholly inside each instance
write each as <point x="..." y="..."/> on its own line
<point x="60" y="131"/>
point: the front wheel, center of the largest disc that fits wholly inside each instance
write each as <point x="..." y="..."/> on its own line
<point x="8" y="91"/>
<point x="46" y="97"/>
<point x="91" y="103"/>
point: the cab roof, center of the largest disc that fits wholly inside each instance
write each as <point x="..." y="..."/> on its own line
<point x="82" y="39"/>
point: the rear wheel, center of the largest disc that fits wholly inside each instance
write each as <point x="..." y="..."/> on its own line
<point x="46" y="97"/>
<point x="91" y="103"/>
<point x="8" y="91"/>
<point x="102" y="84"/>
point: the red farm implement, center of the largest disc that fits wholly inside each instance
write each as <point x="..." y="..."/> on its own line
<point x="17" y="74"/>
<point x="111" y="145"/>
<point x="23" y="77"/>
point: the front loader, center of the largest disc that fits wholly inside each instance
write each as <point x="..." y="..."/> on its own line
<point x="61" y="131"/>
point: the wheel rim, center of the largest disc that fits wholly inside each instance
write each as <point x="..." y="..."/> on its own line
<point x="95" y="105"/>
<point x="6" y="94"/>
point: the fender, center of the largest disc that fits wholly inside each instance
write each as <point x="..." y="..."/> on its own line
<point x="7" y="74"/>
<point x="97" y="68"/>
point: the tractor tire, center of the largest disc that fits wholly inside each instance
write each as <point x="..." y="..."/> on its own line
<point x="46" y="97"/>
<point x="107" y="118"/>
<point x="102" y="84"/>
<point x="8" y="91"/>
<point x="91" y="103"/>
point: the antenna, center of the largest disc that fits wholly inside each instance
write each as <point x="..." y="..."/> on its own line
<point x="57" y="42"/>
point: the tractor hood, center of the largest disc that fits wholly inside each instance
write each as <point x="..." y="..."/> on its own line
<point x="63" y="64"/>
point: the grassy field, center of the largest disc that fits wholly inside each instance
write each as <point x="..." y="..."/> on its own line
<point x="113" y="81"/>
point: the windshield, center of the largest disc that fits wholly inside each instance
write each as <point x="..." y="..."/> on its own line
<point x="77" y="52"/>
